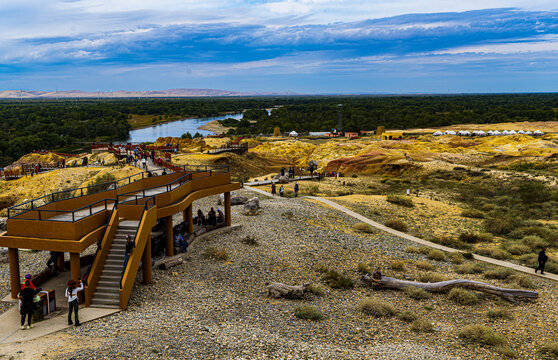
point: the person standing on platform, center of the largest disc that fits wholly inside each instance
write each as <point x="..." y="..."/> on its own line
<point x="73" y="302"/>
<point x="26" y="296"/>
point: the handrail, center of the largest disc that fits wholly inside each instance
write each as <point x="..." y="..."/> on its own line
<point x="100" y="257"/>
<point x="148" y="220"/>
<point x="90" y="206"/>
<point x="133" y="192"/>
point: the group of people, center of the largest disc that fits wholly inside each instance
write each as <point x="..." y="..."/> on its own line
<point x="290" y="172"/>
<point x="282" y="190"/>
<point x="213" y="217"/>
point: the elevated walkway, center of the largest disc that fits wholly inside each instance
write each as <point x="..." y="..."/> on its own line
<point x="73" y="220"/>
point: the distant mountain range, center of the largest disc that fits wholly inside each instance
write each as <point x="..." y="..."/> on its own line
<point x="72" y="94"/>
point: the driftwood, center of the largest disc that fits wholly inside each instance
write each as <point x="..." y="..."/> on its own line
<point x="278" y="290"/>
<point x="169" y="262"/>
<point x="379" y="281"/>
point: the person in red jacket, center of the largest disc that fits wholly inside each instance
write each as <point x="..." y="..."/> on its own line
<point x="28" y="278"/>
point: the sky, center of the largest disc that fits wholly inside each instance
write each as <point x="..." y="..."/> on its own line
<point x="302" y="46"/>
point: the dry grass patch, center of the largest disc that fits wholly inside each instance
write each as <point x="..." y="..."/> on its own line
<point x="364" y="227"/>
<point x="432" y="277"/>
<point x="506" y="351"/>
<point x="215" y="253"/>
<point x="316" y="289"/>
<point x="412" y="249"/>
<point x="420" y="325"/>
<point x="397" y="265"/>
<point x="435" y="254"/>
<point x="524" y="281"/>
<point x="250" y="240"/>
<point x="463" y="296"/>
<point x="499" y="274"/>
<point x="456" y="258"/>
<point x="417" y="293"/>
<point x="407" y="316"/>
<point x="364" y="268"/>
<point x="481" y="334"/>
<point x="400" y="200"/>
<point x="469" y="268"/>
<point x="424" y="265"/>
<point x="335" y="279"/>
<point x="499" y="314"/>
<point x="397" y="224"/>
<point x="550" y="349"/>
<point x="376" y="307"/>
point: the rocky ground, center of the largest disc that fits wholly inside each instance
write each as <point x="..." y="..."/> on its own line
<point x="218" y="309"/>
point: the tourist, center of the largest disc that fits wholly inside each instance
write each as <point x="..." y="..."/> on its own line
<point x="296" y="189"/>
<point x="542" y="261"/>
<point x="281" y="191"/>
<point x="164" y="172"/>
<point x="220" y="216"/>
<point x="200" y="219"/>
<point x="212" y="217"/>
<point x="73" y="302"/>
<point x="26" y="296"/>
<point x="129" y="248"/>
<point x="282" y="171"/>
<point x="273" y="189"/>
<point x="28" y="278"/>
<point x="53" y="259"/>
<point x="144" y="163"/>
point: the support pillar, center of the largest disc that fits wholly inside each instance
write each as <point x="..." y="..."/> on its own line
<point x="146" y="263"/>
<point x="60" y="264"/>
<point x="187" y="217"/>
<point x="75" y="267"/>
<point x="168" y="235"/>
<point x="228" y="217"/>
<point x="13" y="256"/>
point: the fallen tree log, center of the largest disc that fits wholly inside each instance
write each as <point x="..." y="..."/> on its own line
<point x="379" y="281"/>
<point x="169" y="262"/>
<point x="278" y="290"/>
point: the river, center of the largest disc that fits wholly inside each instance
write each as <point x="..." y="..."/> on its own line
<point x="176" y="128"/>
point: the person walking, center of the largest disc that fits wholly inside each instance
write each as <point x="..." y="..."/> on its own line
<point x="26" y="295"/>
<point x="542" y="261"/>
<point x="73" y="302"/>
<point x="273" y="189"/>
<point x="53" y="260"/>
<point x="296" y="189"/>
<point x="281" y="191"/>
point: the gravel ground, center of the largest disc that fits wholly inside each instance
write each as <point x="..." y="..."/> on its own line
<point x="210" y="309"/>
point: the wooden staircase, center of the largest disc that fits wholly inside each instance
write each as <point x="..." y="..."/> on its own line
<point x="107" y="294"/>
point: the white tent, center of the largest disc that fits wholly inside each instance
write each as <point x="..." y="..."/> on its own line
<point x="512" y="132"/>
<point x="293" y="133"/>
<point x="496" y="133"/>
<point x="528" y="132"/>
<point x="505" y="132"/>
<point x="438" y="133"/>
<point x="450" y="132"/>
<point x="490" y="133"/>
<point x="464" y="133"/>
<point x="538" y="133"/>
<point x="521" y="132"/>
<point x="481" y="133"/>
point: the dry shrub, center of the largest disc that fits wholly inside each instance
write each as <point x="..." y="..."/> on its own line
<point x="424" y="250"/>
<point x="417" y="293"/>
<point x="523" y="280"/>
<point x="364" y="268"/>
<point x="215" y="253"/>
<point x="506" y="351"/>
<point x="550" y="349"/>
<point x="435" y="254"/>
<point x="400" y="200"/>
<point x="456" y="258"/>
<point x="469" y="268"/>
<point x="364" y="227"/>
<point x="432" y="277"/>
<point x="518" y="249"/>
<point x="463" y="296"/>
<point x="308" y="312"/>
<point x="534" y="242"/>
<point x="424" y="265"/>
<point x="472" y="213"/>
<point x="499" y="314"/>
<point x="407" y="316"/>
<point x="250" y="240"/>
<point x="316" y="290"/>
<point x="376" y="307"/>
<point x="337" y="280"/>
<point x="397" y="224"/>
<point x="473" y="238"/>
<point x="499" y="274"/>
<point x="397" y="265"/>
<point x="412" y="249"/>
<point x="481" y="334"/>
<point x="494" y="253"/>
<point x="420" y="325"/>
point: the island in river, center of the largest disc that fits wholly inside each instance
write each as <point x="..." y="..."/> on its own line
<point x="215" y="126"/>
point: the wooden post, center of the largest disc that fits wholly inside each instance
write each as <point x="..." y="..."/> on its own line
<point x="13" y="256"/>
<point x="187" y="216"/>
<point x="75" y="267"/>
<point x="228" y="218"/>
<point x="60" y="263"/>
<point x="146" y="263"/>
<point x="168" y="234"/>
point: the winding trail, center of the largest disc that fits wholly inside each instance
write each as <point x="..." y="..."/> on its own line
<point x="506" y="264"/>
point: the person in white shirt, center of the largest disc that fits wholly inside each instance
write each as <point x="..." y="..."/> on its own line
<point x="73" y="302"/>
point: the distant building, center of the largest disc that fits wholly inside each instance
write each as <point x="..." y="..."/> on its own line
<point x="318" y="133"/>
<point x="331" y="135"/>
<point x="351" y="135"/>
<point x="392" y="136"/>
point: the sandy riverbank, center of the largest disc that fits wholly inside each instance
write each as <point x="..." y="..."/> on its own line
<point x="214" y="126"/>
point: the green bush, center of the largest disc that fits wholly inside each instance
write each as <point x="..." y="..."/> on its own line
<point x="396" y="224"/>
<point x="412" y="249"/>
<point x="435" y="254"/>
<point x="472" y="213"/>
<point x="407" y="316"/>
<point x="469" y="268"/>
<point x="481" y="334"/>
<point x="397" y="265"/>
<point x="308" y="312"/>
<point x="518" y="249"/>
<point x="500" y="273"/>
<point x="376" y="307"/>
<point x="417" y="293"/>
<point x="456" y="258"/>
<point x="424" y="265"/>
<point x="420" y="325"/>
<point x="364" y="268"/>
<point x="336" y="280"/>
<point x="463" y="296"/>
<point x="500" y="225"/>
<point x="400" y="200"/>
<point x="535" y="242"/>
<point x="499" y="314"/>
<point x="432" y="277"/>
<point x="364" y="227"/>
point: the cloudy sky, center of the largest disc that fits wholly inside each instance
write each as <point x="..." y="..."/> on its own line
<point x="305" y="46"/>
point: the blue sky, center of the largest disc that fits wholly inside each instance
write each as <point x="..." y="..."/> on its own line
<point x="305" y="46"/>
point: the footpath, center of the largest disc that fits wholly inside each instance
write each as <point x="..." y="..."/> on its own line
<point x="506" y="264"/>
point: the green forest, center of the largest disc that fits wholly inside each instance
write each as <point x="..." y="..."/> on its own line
<point x="39" y="124"/>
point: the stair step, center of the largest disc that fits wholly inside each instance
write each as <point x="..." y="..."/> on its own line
<point x="111" y="272"/>
<point x="109" y="284"/>
<point x="104" y="306"/>
<point x="114" y="288"/>
<point x="106" y="295"/>
<point x="113" y="302"/>
<point x="109" y="279"/>
<point x="113" y="266"/>
<point x="114" y="262"/>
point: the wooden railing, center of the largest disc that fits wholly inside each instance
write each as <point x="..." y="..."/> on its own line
<point x="148" y="220"/>
<point x="101" y="258"/>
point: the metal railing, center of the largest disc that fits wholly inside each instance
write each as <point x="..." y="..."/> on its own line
<point x="135" y="237"/>
<point x="105" y="202"/>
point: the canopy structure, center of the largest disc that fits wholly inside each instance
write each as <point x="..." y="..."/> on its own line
<point x="528" y="132"/>
<point x="538" y="133"/>
<point x="521" y="132"/>
<point x="496" y="133"/>
<point x="438" y="133"/>
<point x="293" y="133"/>
<point x="464" y="133"/>
<point x="450" y="132"/>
